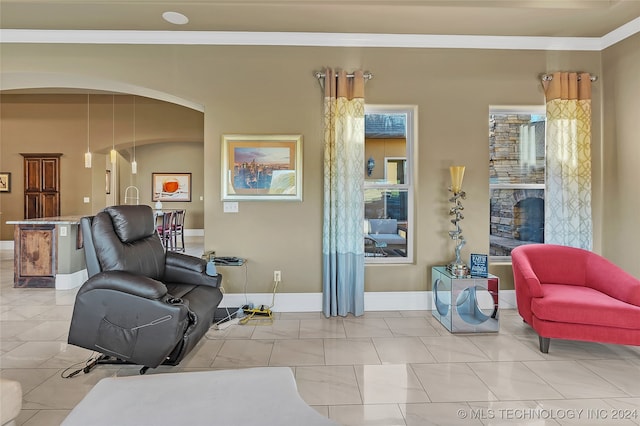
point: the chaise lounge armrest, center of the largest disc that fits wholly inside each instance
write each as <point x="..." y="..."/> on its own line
<point x="610" y="279"/>
<point x="125" y="282"/>
<point x="185" y="269"/>
<point x="524" y="274"/>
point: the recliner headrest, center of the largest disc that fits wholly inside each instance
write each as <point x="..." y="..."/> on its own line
<point x="131" y="223"/>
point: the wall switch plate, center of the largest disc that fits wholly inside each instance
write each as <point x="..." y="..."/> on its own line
<point x="63" y="231"/>
<point x="201" y="198"/>
<point x="86" y="200"/>
<point x="230" y="207"/>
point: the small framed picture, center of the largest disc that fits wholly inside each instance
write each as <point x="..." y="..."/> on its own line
<point x="5" y="182"/>
<point x="171" y="187"/>
<point x="479" y="265"/>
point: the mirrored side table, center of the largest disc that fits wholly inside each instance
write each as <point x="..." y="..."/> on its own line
<point x="465" y="304"/>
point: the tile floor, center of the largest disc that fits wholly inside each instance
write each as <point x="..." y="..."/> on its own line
<point x="384" y="368"/>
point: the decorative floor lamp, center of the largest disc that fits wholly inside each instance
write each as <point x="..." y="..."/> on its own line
<point x="457" y="267"/>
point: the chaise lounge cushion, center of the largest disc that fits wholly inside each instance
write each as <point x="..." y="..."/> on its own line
<point x="583" y="305"/>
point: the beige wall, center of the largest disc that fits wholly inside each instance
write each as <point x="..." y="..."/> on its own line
<point x="272" y="90"/>
<point x="621" y="154"/>
<point x="179" y="157"/>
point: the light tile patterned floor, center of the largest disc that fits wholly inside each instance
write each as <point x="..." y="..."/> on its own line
<point x="385" y="368"/>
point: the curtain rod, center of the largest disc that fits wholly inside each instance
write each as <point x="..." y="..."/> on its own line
<point x="367" y="75"/>
<point x="549" y="77"/>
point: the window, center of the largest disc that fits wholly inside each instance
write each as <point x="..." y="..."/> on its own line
<point x="388" y="189"/>
<point x="516" y="178"/>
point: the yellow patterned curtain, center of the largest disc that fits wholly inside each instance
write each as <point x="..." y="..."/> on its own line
<point x="568" y="181"/>
<point x="343" y="214"/>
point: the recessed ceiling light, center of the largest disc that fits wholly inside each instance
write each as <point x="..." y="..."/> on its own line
<point x="175" y="18"/>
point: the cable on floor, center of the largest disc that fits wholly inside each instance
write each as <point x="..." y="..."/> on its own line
<point x="92" y="359"/>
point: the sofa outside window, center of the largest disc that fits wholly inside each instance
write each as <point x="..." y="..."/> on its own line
<point x="386" y="236"/>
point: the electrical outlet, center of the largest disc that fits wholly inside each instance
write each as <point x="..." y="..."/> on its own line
<point x="63" y="231"/>
<point x="277" y="276"/>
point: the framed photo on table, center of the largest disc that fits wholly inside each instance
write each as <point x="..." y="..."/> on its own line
<point x="262" y="167"/>
<point x="171" y="187"/>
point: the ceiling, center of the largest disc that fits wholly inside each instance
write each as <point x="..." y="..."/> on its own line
<point x="538" y="18"/>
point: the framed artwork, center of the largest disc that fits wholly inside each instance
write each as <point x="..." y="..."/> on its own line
<point x="262" y="167"/>
<point x="171" y="186"/>
<point x="5" y="182"/>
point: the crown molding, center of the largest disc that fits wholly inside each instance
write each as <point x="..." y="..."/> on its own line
<point x="620" y="33"/>
<point x="428" y="41"/>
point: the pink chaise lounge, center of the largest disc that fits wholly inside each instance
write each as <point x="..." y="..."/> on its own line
<point x="574" y="294"/>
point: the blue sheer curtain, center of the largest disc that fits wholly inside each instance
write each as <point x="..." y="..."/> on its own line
<point x="343" y="230"/>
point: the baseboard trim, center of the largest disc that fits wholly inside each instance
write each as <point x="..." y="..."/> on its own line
<point x="6" y="245"/>
<point x="73" y="280"/>
<point x="373" y="301"/>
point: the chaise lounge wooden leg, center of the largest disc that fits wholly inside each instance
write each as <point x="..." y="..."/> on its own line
<point x="544" y="344"/>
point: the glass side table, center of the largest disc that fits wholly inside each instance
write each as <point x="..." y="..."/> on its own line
<point x="465" y="304"/>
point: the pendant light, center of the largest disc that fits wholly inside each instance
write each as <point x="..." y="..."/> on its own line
<point x="134" y="163"/>
<point x="87" y="155"/>
<point x="113" y="152"/>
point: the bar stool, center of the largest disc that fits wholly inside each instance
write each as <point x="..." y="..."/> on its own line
<point x="164" y="230"/>
<point x="177" y="229"/>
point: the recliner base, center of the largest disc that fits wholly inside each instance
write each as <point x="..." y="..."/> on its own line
<point x="108" y="359"/>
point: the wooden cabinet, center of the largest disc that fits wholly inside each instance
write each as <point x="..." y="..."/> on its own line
<point x="41" y="185"/>
<point x="35" y="255"/>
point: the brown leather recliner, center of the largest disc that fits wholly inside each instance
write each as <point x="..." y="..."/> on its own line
<point x="141" y="304"/>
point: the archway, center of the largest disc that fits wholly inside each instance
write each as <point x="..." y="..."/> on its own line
<point x="30" y="83"/>
<point x="34" y="81"/>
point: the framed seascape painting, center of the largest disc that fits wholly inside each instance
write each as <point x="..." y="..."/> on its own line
<point x="262" y="167"/>
<point x="171" y="186"/>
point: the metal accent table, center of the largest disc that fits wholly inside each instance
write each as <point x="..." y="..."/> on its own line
<point x="465" y="304"/>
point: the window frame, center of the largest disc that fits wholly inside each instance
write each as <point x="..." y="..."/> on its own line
<point x="513" y="109"/>
<point x="411" y="138"/>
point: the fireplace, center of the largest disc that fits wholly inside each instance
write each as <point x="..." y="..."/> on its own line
<point x="517" y="217"/>
<point x="528" y="220"/>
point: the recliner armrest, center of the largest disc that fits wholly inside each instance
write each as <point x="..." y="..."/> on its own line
<point x="185" y="261"/>
<point x="185" y="269"/>
<point x="125" y="282"/>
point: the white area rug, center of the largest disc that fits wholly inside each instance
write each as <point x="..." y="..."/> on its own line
<point x="253" y="396"/>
